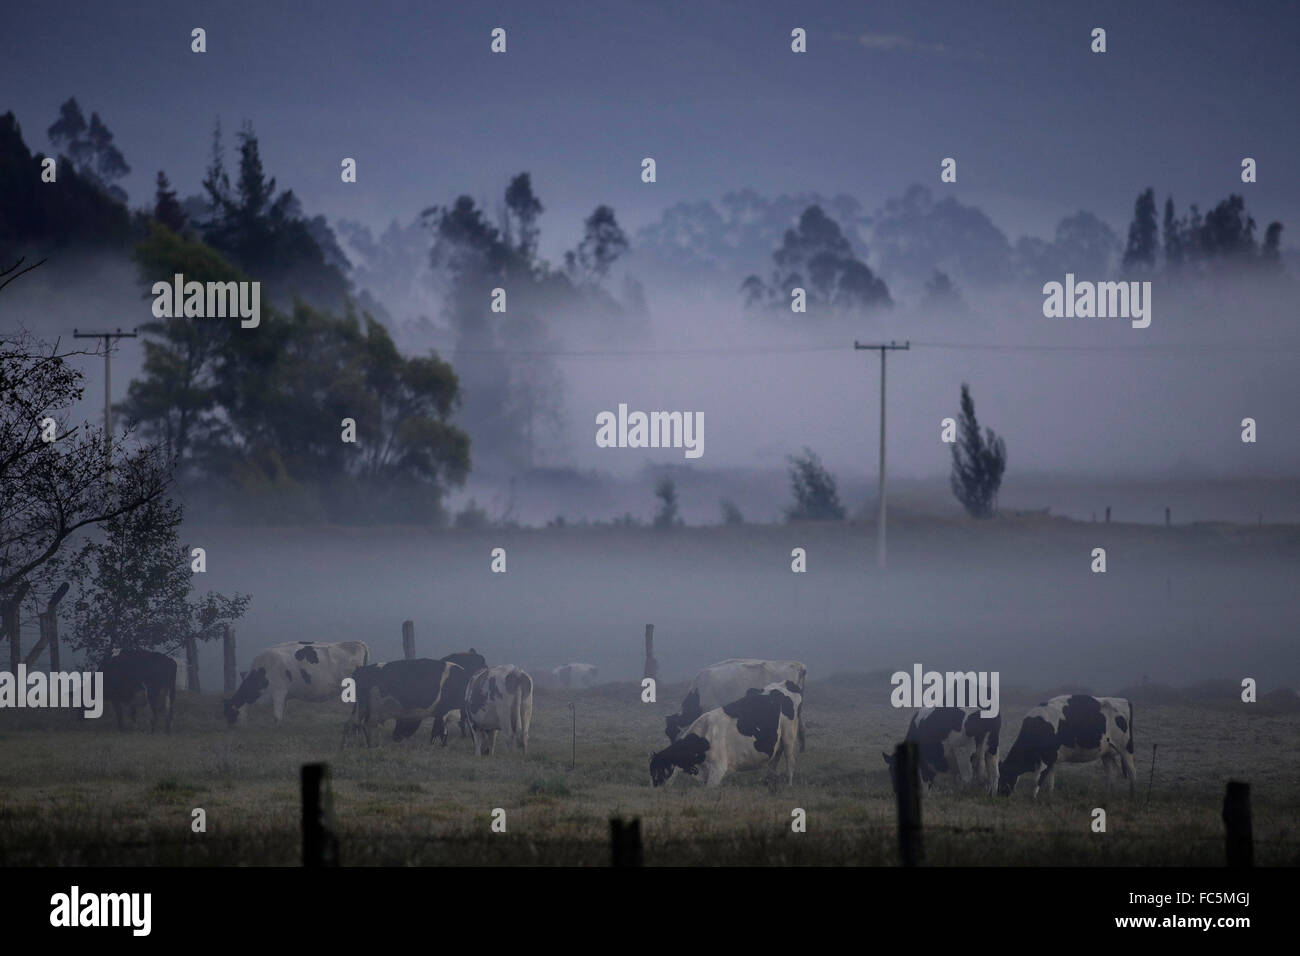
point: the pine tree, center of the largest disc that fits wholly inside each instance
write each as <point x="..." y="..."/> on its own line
<point x="977" y="462"/>
<point x="166" y="208"/>
<point x="1140" y="253"/>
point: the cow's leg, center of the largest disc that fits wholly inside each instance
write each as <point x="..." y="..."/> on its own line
<point x="492" y="742"/>
<point x="799" y="717"/>
<point x="154" y="706"/>
<point x="1049" y="779"/>
<point x="277" y="706"/>
<point x="1108" y="769"/>
<point x="1041" y="771"/>
<point x="1130" y="771"/>
<point x="991" y="772"/>
<point x="957" y="755"/>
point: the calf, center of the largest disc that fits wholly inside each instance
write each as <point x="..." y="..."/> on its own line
<point x="399" y="690"/>
<point x="128" y="673"/>
<point x="499" y="698"/>
<point x="306" y="670"/>
<point x="755" y="731"/>
<point x="1074" y="728"/>
<point x="730" y="680"/>
<point x="954" y="740"/>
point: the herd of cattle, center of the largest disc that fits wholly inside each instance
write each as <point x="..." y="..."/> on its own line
<point x="736" y="715"/>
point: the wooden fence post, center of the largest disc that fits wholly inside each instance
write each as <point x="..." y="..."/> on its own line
<point x="1236" y="821"/>
<point x="907" y="771"/>
<point x="320" y="845"/>
<point x="1167" y="516"/>
<point x="651" y="665"/>
<point x="192" y="664"/>
<point x="625" y="842"/>
<point x="10" y="622"/>
<point x="408" y="640"/>
<point x="1108" y="514"/>
<point x="228" y="659"/>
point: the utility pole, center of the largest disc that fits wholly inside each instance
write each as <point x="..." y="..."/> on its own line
<point x="108" y="385"/>
<point x="880" y="528"/>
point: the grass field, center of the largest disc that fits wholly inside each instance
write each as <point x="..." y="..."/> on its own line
<point x="76" y="792"/>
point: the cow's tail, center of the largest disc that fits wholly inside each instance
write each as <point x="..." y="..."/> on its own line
<point x="1130" y="726"/>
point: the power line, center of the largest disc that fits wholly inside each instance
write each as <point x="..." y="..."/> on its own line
<point x="1189" y="348"/>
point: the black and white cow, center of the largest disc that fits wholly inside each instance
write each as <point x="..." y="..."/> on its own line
<point x="127" y="674"/>
<point x="954" y="740"/>
<point x="755" y="731"/>
<point x="499" y="698"/>
<point x="305" y="670"/>
<point x="401" y="690"/>
<point x="729" y="680"/>
<point x="450" y="707"/>
<point x="1073" y="728"/>
<point x="574" y="675"/>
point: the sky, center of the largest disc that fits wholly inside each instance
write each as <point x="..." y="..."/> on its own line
<point x="1040" y="126"/>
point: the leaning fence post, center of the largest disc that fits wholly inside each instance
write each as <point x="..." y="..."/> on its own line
<point x="192" y="663"/>
<point x="1236" y="821"/>
<point x="907" y="769"/>
<point x="320" y="845"/>
<point x="48" y="622"/>
<point x="228" y="658"/>
<point x="651" y="665"/>
<point x="10" y="612"/>
<point x="408" y="640"/>
<point x="625" y="842"/>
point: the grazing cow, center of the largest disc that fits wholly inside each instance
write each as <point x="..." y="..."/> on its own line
<point x="574" y="675"/>
<point x="406" y="691"/>
<point x="499" y="698"/>
<point x="129" y="672"/>
<point x="453" y="697"/>
<point x="755" y="731"/>
<point x="954" y="740"/>
<point x="730" y="680"/>
<point x="182" y="669"/>
<point x="306" y="670"/>
<point x="1073" y="728"/>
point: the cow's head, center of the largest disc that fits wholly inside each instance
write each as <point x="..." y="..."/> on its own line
<point x="687" y="753"/>
<point x="1006" y="782"/>
<point x="249" y="690"/>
